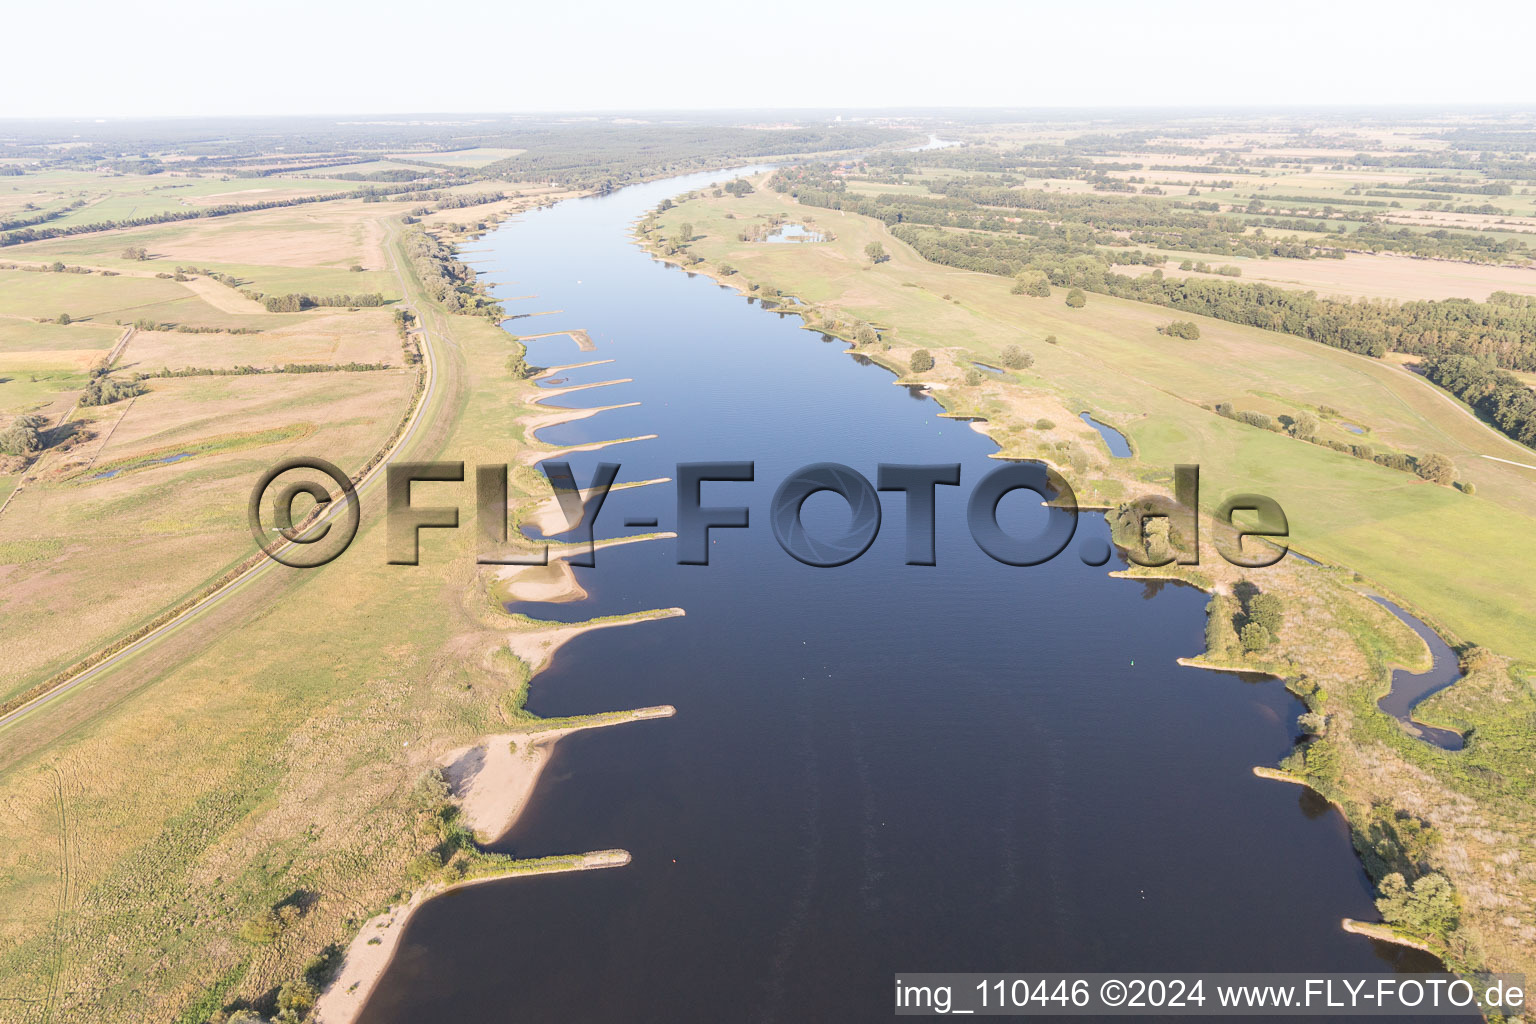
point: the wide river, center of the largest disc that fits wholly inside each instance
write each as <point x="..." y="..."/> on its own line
<point x="873" y="768"/>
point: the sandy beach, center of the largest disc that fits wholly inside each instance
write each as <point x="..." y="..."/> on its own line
<point x="491" y="780"/>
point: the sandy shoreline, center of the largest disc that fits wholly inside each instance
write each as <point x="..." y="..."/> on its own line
<point x="491" y="781"/>
<point x="369" y="955"/>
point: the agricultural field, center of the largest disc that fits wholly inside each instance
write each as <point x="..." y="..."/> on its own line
<point x="477" y="157"/>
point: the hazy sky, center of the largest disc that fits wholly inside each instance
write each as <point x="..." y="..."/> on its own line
<point x="110" y="58"/>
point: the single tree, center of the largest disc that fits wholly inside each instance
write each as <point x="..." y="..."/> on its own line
<point x="1255" y="637"/>
<point x="1076" y="299"/>
<point x="1268" y="611"/>
<point x="865" y="336"/>
<point x="922" y="361"/>
<point x="1015" y="358"/>
<point x="1437" y="469"/>
<point x="876" y="252"/>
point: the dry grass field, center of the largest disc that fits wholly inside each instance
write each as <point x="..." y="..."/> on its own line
<point x="1369" y="276"/>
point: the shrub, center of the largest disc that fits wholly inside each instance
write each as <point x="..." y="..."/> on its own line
<point x="1044" y="424"/>
<point x="1258" y="419"/>
<point x="922" y="361"/>
<point x="294" y="1001"/>
<point x="1468" y="487"/>
<point x="1015" y="358"/>
<point x="974" y="377"/>
<point x="1050" y="339"/>
<point x="64" y="319"/>
<point x="263" y="929"/>
<point x="1076" y="299"/>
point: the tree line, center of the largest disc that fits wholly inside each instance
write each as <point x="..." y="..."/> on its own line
<point x="1502" y="329"/>
<point x="295" y="303"/>
<point x="447" y="279"/>
<point x="1503" y="398"/>
<point x="34" y="234"/>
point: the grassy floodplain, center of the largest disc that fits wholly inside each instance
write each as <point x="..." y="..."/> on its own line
<point x="126" y="898"/>
<point x="1453" y="555"/>
<point x="1457" y="559"/>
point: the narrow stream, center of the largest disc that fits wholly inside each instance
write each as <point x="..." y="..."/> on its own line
<point x="1408" y="689"/>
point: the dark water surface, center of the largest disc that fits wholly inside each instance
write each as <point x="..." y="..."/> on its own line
<point x="874" y="768"/>
<point x="1119" y="447"/>
<point x="1408" y="689"/>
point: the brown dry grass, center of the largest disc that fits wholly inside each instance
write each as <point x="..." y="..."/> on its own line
<point x="1363" y="275"/>
<point x="107" y="553"/>
<point x="366" y="336"/>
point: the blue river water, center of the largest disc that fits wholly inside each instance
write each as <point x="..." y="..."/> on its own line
<point x="873" y="768"/>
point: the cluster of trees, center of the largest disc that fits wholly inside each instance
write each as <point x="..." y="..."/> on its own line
<point x="1186" y="329"/>
<point x="1263" y="615"/>
<point x="1507" y="401"/>
<point x="245" y="371"/>
<point x="1434" y="467"/>
<point x="146" y="324"/>
<point x="740" y="187"/>
<point x="294" y="303"/>
<point x="405" y="320"/>
<point x="1202" y="267"/>
<point x="17" y="223"/>
<point x="1427" y="908"/>
<point x="447" y="279"/>
<point x="103" y="390"/>
<point x="459" y="202"/>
